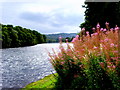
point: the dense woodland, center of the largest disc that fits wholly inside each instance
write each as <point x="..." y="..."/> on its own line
<point x="101" y="12"/>
<point x="18" y="36"/>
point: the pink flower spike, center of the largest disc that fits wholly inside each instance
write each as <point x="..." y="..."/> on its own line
<point x="116" y="28"/>
<point x="111" y="45"/>
<point x="111" y="29"/>
<point x="106" y="40"/>
<point x="104" y="30"/>
<point x="83" y="29"/>
<point x="101" y="64"/>
<point x="106" y="23"/>
<point x="77" y="36"/>
<point x="98" y="25"/>
<point x="101" y="29"/>
<point x="74" y="39"/>
<point x="93" y="28"/>
<point x="87" y="32"/>
<point x="95" y="33"/>
<point x="60" y="38"/>
<point x="62" y="63"/>
<point x="95" y="47"/>
<point x="66" y="40"/>
<point x="108" y="66"/>
<point x="114" y="66"/>
<point x="101" y="40"/>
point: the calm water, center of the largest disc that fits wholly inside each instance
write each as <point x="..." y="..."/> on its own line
<point x="21" y="66"/>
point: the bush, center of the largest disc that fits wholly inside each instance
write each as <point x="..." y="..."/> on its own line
<point x="92" y="62"/>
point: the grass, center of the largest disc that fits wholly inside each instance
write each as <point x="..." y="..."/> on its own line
<point x="46" y="82"/>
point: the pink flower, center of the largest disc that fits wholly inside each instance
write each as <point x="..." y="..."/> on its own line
<point x="101" y="64"/>
<point x="74" y="39"/>
<point x="68" y="50"/>
<point x="115" y="51"/>
<point x="114" y="58"/>
<point x="49" y="59"/>
<point x="62" y="63"/>
<point x="116" y="28"/>
<point x="104" y="30"/>
<point x="108" y="66"/>
<point x="91" y="34"/>
<point x="59" y="54"/>
<point x="93" y="28"/>
<point x="111" y="29"/>
<point x="106" y="40"/>
<point x="112" y="44"/>
<point x="66" y="40"/>
<point x="83" y="29"/>
<point x="114" y="66"/>
<point x="81" y="66"/>
<point x="87" y="33"/>
<point x="77" y="36"/>
<point x="101" y="40"/>
<point x="82" y="49"/>
<point x="95" y="33"/>
<point x="98" y="25"/>
<point x="101" y="29"/>
<point x="95" y="47"/>
<point x="116" y="45"/>
<point x="60" y="39"/>
<point x="106" y="23"/>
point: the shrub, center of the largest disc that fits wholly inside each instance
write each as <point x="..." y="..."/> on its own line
<point x="92" y="62"/>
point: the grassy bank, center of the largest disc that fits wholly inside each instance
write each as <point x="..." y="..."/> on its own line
<point x="46" y="82"/>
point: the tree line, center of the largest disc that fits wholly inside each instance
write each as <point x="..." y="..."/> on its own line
<point x="101" y="12"/>
<point x="18" y="36"/>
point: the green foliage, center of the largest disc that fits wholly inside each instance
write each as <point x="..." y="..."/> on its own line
<point x="18" y="36"/>
<point x="101" y="12"/>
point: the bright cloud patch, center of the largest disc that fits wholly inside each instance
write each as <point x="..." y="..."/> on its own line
<point x="45" y="16"/>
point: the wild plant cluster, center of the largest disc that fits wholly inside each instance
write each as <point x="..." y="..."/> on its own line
<point x="92" y="62"/>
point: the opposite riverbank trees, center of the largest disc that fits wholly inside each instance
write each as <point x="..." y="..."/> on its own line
<point x="18" y="36"/>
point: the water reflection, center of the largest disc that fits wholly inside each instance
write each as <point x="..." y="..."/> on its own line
<point x="24" y="65"/>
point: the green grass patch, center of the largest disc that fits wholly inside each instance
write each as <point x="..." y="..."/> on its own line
<point x="46" y="82"/>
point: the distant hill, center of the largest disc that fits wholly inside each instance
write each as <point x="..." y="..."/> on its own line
<point x="52" y="38"/>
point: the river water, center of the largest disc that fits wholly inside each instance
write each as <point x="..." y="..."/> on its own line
<point x="21" y="66"/>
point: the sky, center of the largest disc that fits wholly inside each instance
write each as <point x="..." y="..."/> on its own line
<point x="44" y="16"/>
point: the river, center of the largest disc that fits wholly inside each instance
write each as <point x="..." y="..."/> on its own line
<point x="23" y="65"/>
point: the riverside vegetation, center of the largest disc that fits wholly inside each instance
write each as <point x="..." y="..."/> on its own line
<point x="92" y="62"/>
<point x="19" y="37"/>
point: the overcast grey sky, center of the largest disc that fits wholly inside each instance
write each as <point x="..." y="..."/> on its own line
<point x="45" y="16"/>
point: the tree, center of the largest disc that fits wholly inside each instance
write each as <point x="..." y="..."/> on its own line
<point x="18" y="36"/>
<point x="101" y="12"/>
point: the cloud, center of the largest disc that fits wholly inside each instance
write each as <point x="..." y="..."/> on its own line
<point x="45" y="16"/>
<point x="54" y="18"/>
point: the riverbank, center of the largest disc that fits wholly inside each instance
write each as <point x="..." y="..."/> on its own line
<point x="46" y="82"/>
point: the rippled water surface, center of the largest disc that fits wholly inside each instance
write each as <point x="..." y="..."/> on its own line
<point x="21" y="66"/>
